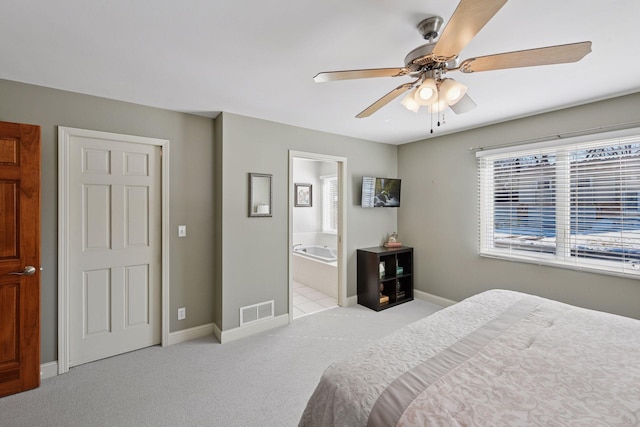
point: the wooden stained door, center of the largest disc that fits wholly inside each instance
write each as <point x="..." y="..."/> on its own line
<point x="19" y="257"/>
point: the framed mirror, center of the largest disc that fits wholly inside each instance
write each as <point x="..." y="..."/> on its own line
<point x="260" y="203"/>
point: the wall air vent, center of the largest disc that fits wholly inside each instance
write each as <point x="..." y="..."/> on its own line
<point x="256" y="312"/>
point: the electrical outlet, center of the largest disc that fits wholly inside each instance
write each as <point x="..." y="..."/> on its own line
<point x="182" y="313"/>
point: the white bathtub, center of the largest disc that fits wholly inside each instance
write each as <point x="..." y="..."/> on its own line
<point x="316" y="267"/>
<point x="321" y="253"/>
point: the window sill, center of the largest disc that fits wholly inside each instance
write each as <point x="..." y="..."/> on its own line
<point x="614" y="269"/>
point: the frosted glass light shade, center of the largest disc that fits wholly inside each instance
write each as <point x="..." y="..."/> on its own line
<point x="427" y="92"/>
<point x="410" y="102"/>
<point x="452" y="91"/>
<point x="437" y="107"/>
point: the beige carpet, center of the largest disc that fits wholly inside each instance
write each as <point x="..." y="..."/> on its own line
<point x="263" y="380"/>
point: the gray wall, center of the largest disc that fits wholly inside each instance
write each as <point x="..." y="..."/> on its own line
<point x="254" y="251"/>
<point x="210" y="161"/>
<point x="191" y="148"/>
<point x="439" y="215"/>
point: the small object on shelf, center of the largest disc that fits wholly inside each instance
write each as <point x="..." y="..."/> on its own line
<point x="399" y="271"/>
<point x="381" y="269"/>
<point x="392" y="241"/>
<point x="384" y="299"/>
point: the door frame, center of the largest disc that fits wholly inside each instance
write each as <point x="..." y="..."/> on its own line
<point x="342" y="222"/>
<point x="64" y="140"/>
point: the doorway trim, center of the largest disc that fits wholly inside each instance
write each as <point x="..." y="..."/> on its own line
<point x="64" y="140"/>
<point x="342" y="222"/>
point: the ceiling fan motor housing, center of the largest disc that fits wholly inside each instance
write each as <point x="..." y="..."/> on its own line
<point x="421" y="59"/>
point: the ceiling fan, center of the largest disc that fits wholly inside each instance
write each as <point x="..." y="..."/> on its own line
<point x="428" y="64"/>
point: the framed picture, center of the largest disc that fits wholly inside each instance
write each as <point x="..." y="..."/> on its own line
<point x="303" y="195"/>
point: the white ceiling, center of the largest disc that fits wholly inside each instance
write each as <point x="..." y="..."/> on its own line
<point x="257" y="58"/>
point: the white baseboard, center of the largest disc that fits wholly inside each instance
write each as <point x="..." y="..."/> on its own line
<point x="48" y="370"/>
<point x="191" y="333"/>
<point x="351" y="301"/>
<point x="217" y="333"/>
<point x="434" y="299"/>
<point x="253" y="328"/>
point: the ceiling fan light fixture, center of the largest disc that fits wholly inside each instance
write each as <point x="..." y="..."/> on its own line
<point x="438" y="107"/>
<point x="427" y="92"/>
<point x="452" y="91"/>
<point x="409" y="101"/>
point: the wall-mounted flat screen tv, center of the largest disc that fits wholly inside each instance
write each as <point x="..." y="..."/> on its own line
<point x="380" y="192"/>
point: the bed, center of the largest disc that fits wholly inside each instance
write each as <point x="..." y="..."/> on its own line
<point x="499" y="358"/>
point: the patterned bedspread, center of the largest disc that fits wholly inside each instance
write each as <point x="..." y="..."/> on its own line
<point x="497" y="358"/>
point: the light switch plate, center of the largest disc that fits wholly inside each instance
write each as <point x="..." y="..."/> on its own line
<point x="182" y="231"/>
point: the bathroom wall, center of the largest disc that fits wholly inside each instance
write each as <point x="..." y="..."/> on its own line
<point x="307" y="221"/>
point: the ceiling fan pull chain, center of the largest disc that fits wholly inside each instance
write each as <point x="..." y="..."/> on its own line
<point x="431" y="117"/>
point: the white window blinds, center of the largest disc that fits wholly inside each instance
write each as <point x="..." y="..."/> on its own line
<point x="330" y="204"/>
<point x="573" y="204"/>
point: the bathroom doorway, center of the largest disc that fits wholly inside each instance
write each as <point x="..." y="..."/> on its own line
<point x="316" y="233"/>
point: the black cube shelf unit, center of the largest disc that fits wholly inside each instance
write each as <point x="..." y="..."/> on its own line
<point x="385" y="276"/>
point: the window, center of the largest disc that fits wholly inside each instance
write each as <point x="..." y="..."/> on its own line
<point x="330" y="204"/>
<point x="573" y="204"/>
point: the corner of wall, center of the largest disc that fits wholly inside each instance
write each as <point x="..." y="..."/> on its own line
<point x="218" y="218"/>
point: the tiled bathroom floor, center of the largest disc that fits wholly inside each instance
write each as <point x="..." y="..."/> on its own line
<point x="307" y="301"/>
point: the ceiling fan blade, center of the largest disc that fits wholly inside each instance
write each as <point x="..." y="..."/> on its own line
<point x="385" y="100"/>
<point x="329" y="76"/>
<point x="465" y="105"/>
<point x="560" y="54"/>
<point x="467" y="20"/>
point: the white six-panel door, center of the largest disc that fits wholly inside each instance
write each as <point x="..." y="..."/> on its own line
<point x="114" y="247"/>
